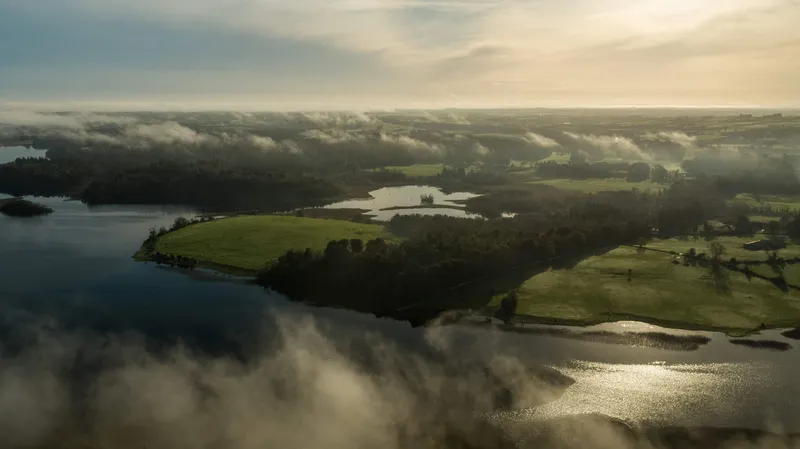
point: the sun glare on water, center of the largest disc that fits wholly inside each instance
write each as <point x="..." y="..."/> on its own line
<point x="657" y="392"/>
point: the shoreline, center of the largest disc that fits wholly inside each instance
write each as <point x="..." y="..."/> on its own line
<point x="423" y="206"/>
<point x="452" y="311"/>
<point x="732" y="332"/>
<point x="610" y="318"/>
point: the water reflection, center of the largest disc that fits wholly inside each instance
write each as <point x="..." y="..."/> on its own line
<point x="76" y="264"/>
<point x="409" y="197"/>
<point x="726" y="395"/>
<point x="386" y="215"/>
<point x="9" y="154"/>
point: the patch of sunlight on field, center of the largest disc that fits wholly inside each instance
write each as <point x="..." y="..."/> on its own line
<point x="775" y="201"/>
<point x="599" y="185"/>
<point x="250" y="242"/>
<point x="561" y="158"/>
<point x="417" y="170"/>
<point x="598" y="288"/>
<point x="733" y="247"/>
<point x="763" y="218"/>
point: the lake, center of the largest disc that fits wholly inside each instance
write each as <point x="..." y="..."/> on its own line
<point x="75" y="265"/>
<point x="408" y="197"/>
<point x="8" y="154"/>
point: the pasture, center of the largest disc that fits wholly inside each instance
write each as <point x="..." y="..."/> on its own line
<point x="598" y="289"/>
<point x="599" y="185"/>
<point x="776" y="202"/>
<point x="249" y="242"/>
<point x="417" y="170"/>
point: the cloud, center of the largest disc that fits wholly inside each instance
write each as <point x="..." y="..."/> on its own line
<point x="541" y="141"/>
<point x="687" y="144"/>
<point x="333" y="136"/>
<point x="89" y="129"/>
<point x="167" y="133"/>
<point x="479" y="149"/>
<point x="337" y="118"/>
<point x="309" y="388"/>
<point x="337" y="136"/>
<point x="457" y="119"/>
<point x="291" y="146"/>
<point x="677" y="137"/>
<point x="610" y="146"/>
<point x="430" y="117"/>
<point x="411" y="144"/>
<point x="265" y="143"/>
<point x="72" y="120"/>
<point x="475" y="51"/>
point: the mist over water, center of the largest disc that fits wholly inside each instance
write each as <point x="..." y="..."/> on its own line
<point x="355" y="380"/>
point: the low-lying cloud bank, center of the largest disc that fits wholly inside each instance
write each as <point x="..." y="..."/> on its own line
<point x="610" y="146"/>
<point x="312" y="384"/>
<point x="307" y="388"/>
<point x="355" y="132"/>
<point x="88" y="129"/>
<point x="336" y="119"/>
<point x="677" y="137"/>
<point x="76" y="120"/>
<point x="541" y="141"/>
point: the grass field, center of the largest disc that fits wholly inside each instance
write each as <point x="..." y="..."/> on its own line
<point x="762" y="218"/>
<point x="249" y="242"/>
<point x="599" y="185"/>
<point x="417" y="170"/>
<point x="776" y="201"/>
<point x="597" y="290"/>
<point x="733" y="247"/>
<point x="561" y="158"/>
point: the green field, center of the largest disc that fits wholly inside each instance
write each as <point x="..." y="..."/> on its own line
<point x="561" y="158"/>
<point x="249" y="242"/>
<point x="762" y="218"/>
<point x="775" y="201"/>
<point x="733" y="247"/>
<point x="598" y="290"/>
<point x="599" y="185"/>
<point x="417" y="170"/>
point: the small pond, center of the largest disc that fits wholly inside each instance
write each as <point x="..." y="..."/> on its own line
<point x="408" y="197"/>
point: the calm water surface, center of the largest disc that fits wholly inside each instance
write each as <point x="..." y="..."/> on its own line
<point x="408" y="196"/>
<point x="76" y="264"/>
<point x="8" y="154"/>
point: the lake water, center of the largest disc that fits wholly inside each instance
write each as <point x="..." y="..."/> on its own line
<point x="76" y="266"/>
<point x="408" y="196"/>
<point x="8" y="154"/>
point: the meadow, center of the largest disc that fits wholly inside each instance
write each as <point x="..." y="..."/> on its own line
<point x="249" y="242"/>
<point x="600" y="185"/>
<point x="776" y="202"/>
<point x="597" y="289"/>
<point x="417" y="170"/>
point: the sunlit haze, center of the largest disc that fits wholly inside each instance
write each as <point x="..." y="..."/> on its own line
<point x="274" y="54"/>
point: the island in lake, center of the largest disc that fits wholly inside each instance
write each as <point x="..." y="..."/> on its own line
<point x="18" y="207"/>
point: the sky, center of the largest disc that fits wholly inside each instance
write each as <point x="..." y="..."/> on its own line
<point x="295" y="54"/>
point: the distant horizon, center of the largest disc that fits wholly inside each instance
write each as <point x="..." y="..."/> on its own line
<point x="134" y="106"/>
